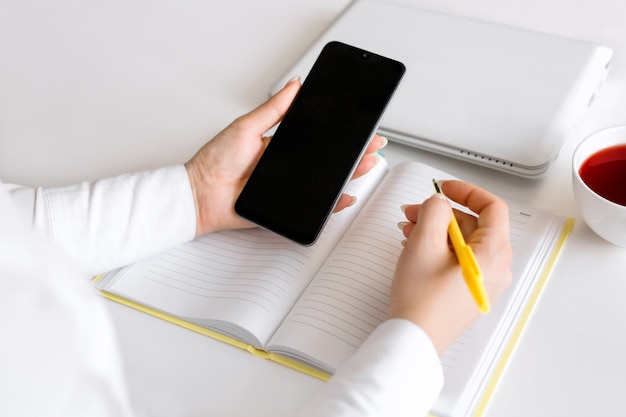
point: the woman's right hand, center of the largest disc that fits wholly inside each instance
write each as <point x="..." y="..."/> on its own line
<point x="428" y="288"/>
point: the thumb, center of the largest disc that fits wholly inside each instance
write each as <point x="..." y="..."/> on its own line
<point x="268" y="114"/>
<point x="431" y="229"/>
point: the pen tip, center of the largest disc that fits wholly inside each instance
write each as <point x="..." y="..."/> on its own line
<point x="436" y="184"/>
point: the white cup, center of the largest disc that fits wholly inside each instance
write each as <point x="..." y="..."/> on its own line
<point x="604" y="217"/>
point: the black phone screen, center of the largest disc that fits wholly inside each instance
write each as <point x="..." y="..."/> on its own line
<point x="300" y="176"/>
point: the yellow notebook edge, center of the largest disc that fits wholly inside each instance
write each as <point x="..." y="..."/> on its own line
<point x="215" y="335"/>
<point x="493" y="382"/>
<point x="483" y="403"/>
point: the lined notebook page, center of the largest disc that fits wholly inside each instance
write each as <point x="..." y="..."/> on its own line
<point x="469" y="362"/>
<point x="237" y="280"/>
<point x="350" y="295"/>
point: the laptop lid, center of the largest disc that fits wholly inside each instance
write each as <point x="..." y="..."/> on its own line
<point x="497" y="96"/>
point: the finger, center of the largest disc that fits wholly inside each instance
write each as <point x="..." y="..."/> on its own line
<point x="345" y="201"/>
<point x="407" y="228"/>
<point x="268" y="114"/>
<point x="431" y="229"/>
<point x="371" y="157"/>
<point x="378" y="142"/>
<point x="493" y="214"/>
<point x="467" y="222"/>
<point x="411" y="211"/>
<point x="266" y="140"/>
<point x="366" y="163"/>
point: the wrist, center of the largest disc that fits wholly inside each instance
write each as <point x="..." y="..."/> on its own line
<point x="196" y="184"/>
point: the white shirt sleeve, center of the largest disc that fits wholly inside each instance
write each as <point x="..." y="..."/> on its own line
<point x="59" y="354"/>
<point x="61" y="345"/>
<point x="115" y="221"/>
<point x="396" y="372"/>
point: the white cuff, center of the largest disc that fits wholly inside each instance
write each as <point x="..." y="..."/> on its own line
<point x="115" y="221"/>
<point x="396" y="372"/>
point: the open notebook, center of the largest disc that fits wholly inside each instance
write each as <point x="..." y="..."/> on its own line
<point x="311" y="307"/>
<point x="496" y="96"/>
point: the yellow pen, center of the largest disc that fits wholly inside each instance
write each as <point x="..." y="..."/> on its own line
<point x="467" y="260"/>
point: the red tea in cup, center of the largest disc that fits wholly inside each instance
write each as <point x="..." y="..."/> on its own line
<point x="605" y="173"/>
<point x="599" y="182"/>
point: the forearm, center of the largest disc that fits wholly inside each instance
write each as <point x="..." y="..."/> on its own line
<point x="115" y="221"/>
<point x="396" y="372"/>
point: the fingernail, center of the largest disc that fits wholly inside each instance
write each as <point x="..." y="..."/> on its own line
<point x="292" y="79"/>
<point x="440" y="196"/>
<point x="402" y="224"/>
<point x="385" y="141"/>
<point x="403" y="243"/>
<point x="403" y="207"/>
<point x="353" y="202"/>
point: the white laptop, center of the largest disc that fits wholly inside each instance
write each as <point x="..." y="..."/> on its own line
<point x="489" y="94"/>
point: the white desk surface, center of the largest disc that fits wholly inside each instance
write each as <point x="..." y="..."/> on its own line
<point x="92" y="89"/>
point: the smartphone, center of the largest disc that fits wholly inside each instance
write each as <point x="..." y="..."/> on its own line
<point x="318" y="144"/>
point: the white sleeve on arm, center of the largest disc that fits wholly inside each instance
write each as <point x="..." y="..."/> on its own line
<point x="59" y="354"/>
<point x="396" y="372"/>
<point x="112" y="222"/>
